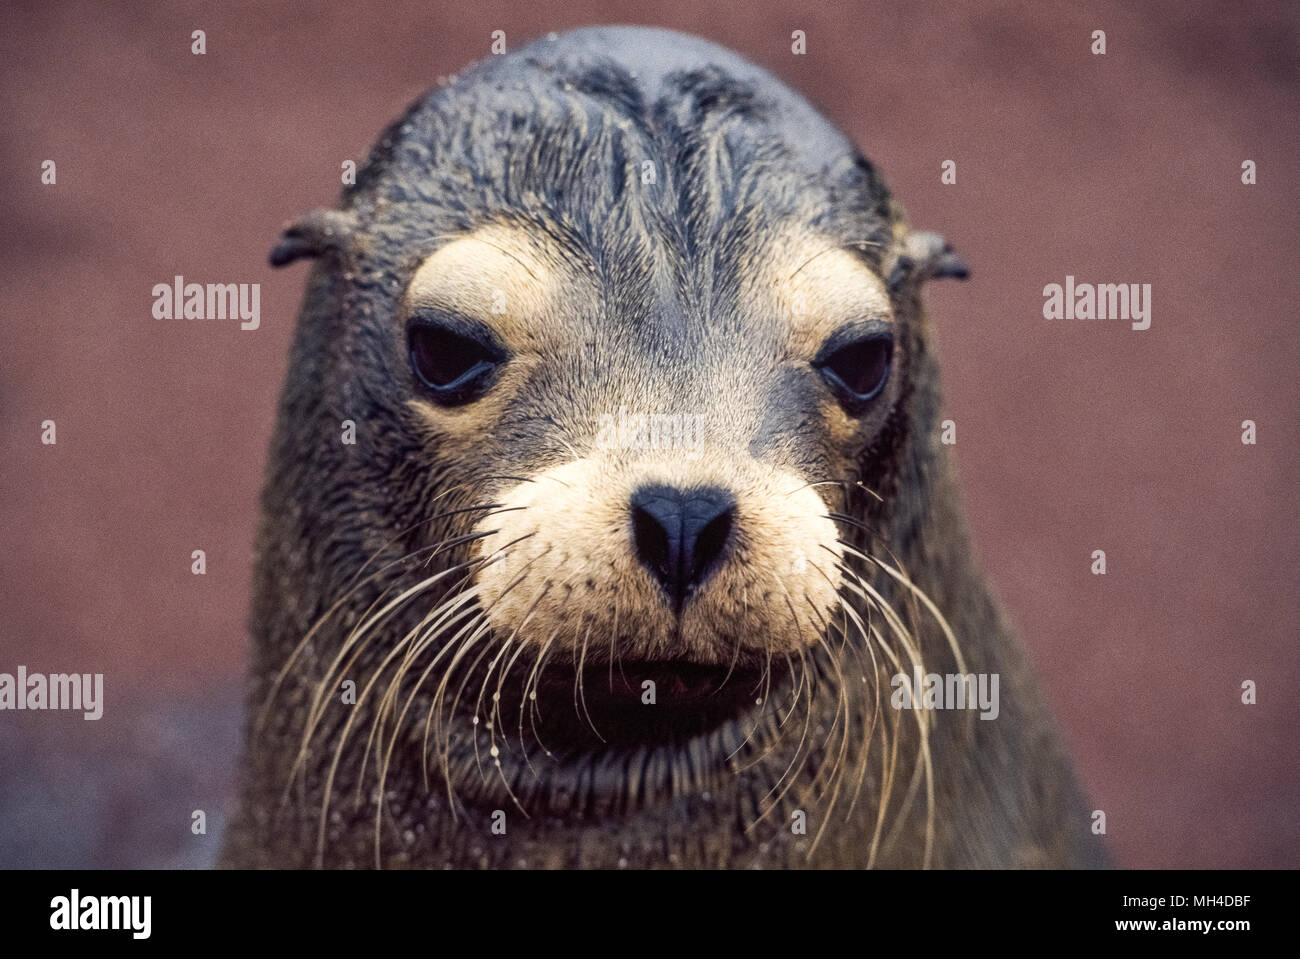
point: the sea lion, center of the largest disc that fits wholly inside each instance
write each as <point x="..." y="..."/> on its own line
<point x="646" y="544"/>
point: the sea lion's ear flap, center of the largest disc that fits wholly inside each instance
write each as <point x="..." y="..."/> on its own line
<point x="314" y="234"/>
<point x="924" y="256"/>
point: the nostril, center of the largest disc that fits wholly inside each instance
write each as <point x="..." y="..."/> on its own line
<point x="710" y="545"/>
<point x="681" y="536"/>
<point x="652" y="542"/>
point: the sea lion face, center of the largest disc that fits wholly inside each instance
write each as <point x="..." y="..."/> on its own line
<point x="630" y="340"/>
<point x="670" y="442"/>
<point x="674" y="444"/>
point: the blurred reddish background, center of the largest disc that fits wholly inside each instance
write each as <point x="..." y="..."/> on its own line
<point x="1071" y="436"/>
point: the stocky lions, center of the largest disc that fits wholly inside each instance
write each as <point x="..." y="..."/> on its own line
<point x="1103" y="301"/>
<point x="76" y="911"/>
<point x="179" y="300"/>
<point x="950" y="691"/>
<point x="83" y="691"/>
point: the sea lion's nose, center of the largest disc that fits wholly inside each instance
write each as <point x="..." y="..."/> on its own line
<point x="681" y="535"/>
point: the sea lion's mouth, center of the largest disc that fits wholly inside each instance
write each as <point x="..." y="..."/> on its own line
<point x="638" y="703"/>
<point x="669" y="684"/>
<point x="631" y="732"/>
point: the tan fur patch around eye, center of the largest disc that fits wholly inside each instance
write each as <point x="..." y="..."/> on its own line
<point x="512" y="281"/>
<point x="500" y="275"/>
<point x="820" y="287"/>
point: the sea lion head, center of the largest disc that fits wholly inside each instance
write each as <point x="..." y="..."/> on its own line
<point x="630" y="337"/>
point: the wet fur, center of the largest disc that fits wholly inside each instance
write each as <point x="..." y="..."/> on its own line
<point x="548" y="141"/>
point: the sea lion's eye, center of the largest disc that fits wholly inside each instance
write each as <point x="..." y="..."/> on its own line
<point x="454" y="365"/>
<point x="856" y="370"/>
